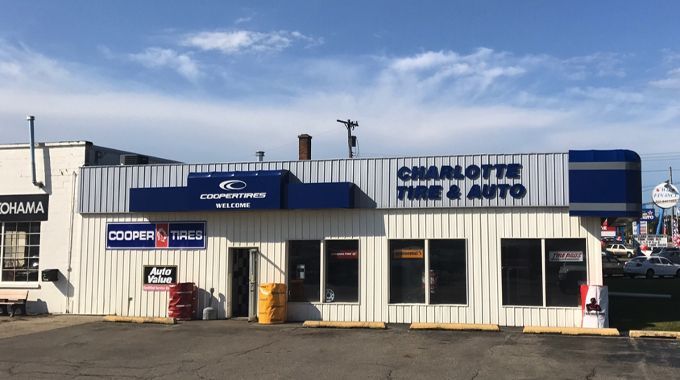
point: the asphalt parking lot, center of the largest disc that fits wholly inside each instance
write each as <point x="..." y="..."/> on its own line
<point x="234" y="349"/>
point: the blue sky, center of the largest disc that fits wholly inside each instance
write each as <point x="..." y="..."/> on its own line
<point x="214" y="81"/>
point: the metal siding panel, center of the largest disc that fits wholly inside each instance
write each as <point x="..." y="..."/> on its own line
<point x="85" y="197"/>
<point x="465" y="220"/>
<point x="544" y="175"/>
<point x="543" y="183"/>
<point x="494" y="267"/>
<point x="95" y="188"/>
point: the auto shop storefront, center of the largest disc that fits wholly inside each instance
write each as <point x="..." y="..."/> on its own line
<point x="493" y="238"/>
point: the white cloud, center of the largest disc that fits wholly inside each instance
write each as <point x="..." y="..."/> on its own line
<point x="424" y="61"/>
<point x="672" y="80"/>
<point x="240" y="41"/>
<point x="670" y="57"/>
<point x="155" y="57"/>
<point x="428" y="103"/>
<point x="465" y="75"/>
<point x="242" y="20"/>
<point x="601" y="64"/>
<point x="18" y="63"/>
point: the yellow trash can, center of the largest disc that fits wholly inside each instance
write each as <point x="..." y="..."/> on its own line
<point x="271" y="304"/>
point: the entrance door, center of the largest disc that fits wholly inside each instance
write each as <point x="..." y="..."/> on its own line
<point x="239" y="282"/>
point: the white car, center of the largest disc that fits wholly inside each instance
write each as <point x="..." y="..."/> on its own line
<point x="651" y="266"/>
<point x="620" y="250"/>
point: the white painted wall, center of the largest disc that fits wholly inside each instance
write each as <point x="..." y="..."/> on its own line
<point x="57" y="165"/>
<point x="110" y="281"/>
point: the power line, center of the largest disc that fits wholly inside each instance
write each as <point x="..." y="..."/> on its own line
<point x="659" y="154"/>
<point x="654" y="171"/>
<point x="663" y="159"/>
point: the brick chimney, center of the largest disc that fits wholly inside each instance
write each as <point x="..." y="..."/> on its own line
<point x="305" y="147"/>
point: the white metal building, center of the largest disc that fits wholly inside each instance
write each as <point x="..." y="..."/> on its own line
<point x="37" y="221"/>
<point x="490" y="238"/>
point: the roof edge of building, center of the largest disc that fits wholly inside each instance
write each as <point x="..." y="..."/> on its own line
<point x="47" y="144"/>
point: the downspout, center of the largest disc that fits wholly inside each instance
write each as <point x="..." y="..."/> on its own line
<point x="70" y="241"/>
<point x="31" y="119"/>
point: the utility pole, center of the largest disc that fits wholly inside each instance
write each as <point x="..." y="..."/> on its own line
<point x="673" y="221"/>
<point x="351" y="140"/>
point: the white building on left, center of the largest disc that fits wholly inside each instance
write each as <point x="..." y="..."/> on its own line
<point x="36" y="220"/>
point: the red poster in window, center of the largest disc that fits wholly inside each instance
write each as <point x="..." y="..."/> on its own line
<point x="162" y="235"/>
<point x="345" y="255"/>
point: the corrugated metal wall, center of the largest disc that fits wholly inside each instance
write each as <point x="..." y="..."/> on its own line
<point x="109" y="282"/>
<point x="545" y="175"/>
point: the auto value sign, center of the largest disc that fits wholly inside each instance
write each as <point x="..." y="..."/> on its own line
<point x="566" y="256"/>
<point x="24" y="208"/>
<point x="159" y="278"/>
<point x="171" y="235"/>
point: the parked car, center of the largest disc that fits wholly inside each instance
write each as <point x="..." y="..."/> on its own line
<point x="611" y="266"/>
<point x="671" y="253"/>
<point x="620" y="250"/>
<point x="651" y="266"/>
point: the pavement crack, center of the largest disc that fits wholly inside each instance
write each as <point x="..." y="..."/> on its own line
<point x="255" y="348"/>
<point x="591" y="375"/>
<point x="474" y="375"/>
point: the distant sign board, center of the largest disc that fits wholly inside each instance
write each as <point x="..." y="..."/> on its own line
<point x="648" y="214"/>
<point x="608" y="231"/>
<point x="159" y="278"/>
<point x="665" y="195"/>
<point x="643" y="227"/>
<point x="566" y="256"/>
<point x="169" y="235"/>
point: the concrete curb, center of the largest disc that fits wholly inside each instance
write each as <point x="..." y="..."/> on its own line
<point x="571" y="331"/>
<point x="455" y="326"/>
<point x="158" y="320"/>
<point x="344" y="325"/>
<point x="654" y="334"/>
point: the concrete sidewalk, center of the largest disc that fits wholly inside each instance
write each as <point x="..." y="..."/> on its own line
<point x="30" y="324"/>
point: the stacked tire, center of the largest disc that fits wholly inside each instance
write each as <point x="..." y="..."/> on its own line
<point x="183" y="301"/>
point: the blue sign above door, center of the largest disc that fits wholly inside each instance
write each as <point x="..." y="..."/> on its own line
<point x="249" y="190"/>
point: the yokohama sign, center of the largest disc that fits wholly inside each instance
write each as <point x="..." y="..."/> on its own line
<point x="23" y="208"/>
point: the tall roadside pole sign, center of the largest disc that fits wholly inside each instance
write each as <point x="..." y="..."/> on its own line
<point x="665" y="195"/>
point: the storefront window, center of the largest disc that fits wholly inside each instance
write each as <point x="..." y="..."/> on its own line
<point x="522" y="272"/>
<point x="448" y="272"/>
<point x="342" y="271"/>
<point x="20" y="251"/>
<point x="407" y="271"/>
<point x="304" y="270"/>
<point x="565" y="271"/>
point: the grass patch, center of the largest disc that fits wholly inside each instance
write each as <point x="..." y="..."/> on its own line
<point x="664" y="326"/>
<point x="628" y="313"/>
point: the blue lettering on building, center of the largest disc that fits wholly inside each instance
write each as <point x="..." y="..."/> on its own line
<point x="432" y="191"/>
